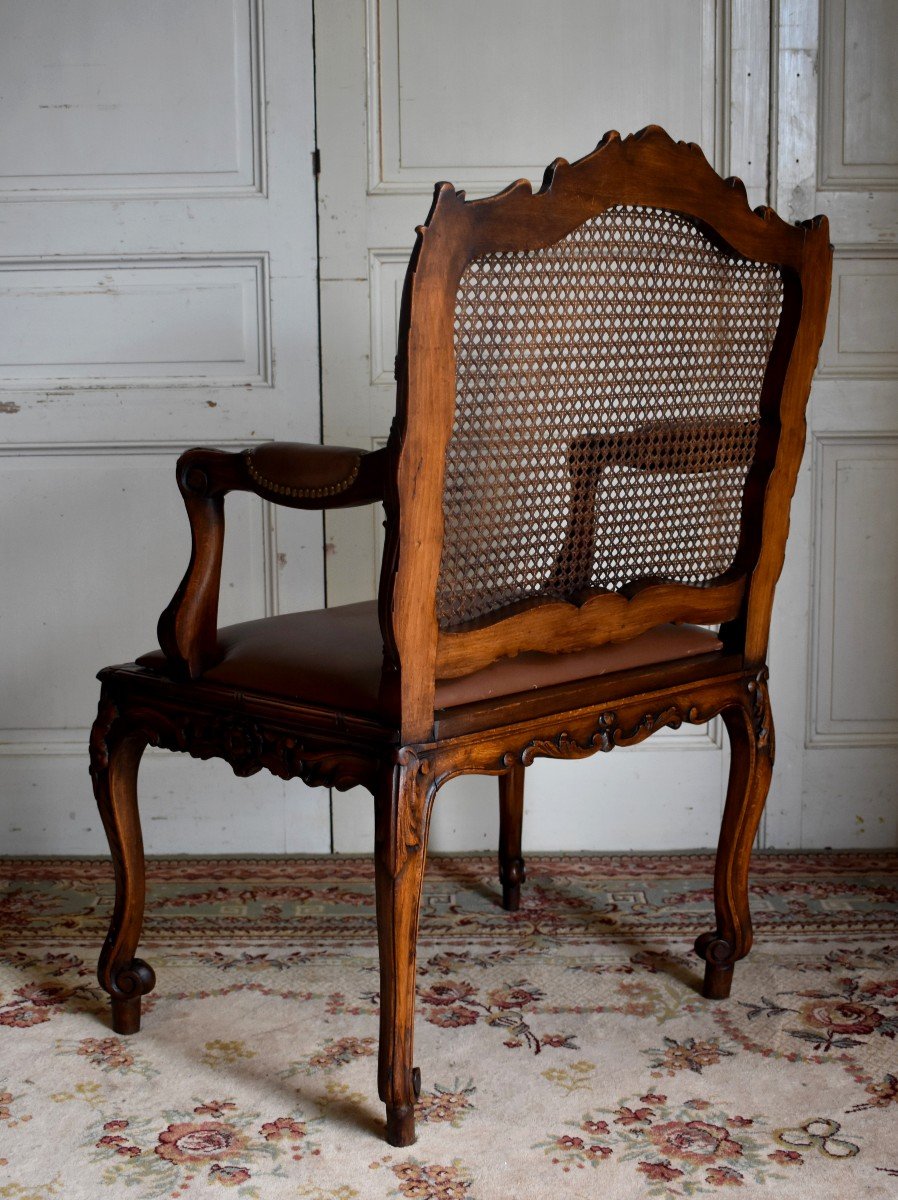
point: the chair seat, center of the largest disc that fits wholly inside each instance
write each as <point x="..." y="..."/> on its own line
<point x="333" y="657"/>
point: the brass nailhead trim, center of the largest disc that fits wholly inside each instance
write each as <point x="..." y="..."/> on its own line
<point x="299" y="493"/>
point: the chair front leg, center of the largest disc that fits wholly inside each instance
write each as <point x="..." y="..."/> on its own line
<point x="401" y="810"/>
<point x="750" y="730"/>
<point x="115" y="755"/>
<point x="511" y="821"/>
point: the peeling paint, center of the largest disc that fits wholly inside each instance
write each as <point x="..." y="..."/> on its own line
<point x="9" y="406"/>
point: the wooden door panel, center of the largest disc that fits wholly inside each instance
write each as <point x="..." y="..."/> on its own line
<point x="157" y="290"/>
<point x="834" y="615"/>
<point x="108" y="100"/>
<point x="481" y="95"/>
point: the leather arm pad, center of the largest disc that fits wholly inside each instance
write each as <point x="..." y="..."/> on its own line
<point x="295" y="474"/>
<point x="301" y="476"/>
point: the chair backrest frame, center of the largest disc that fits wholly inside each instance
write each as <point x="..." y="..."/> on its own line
<point x="647" y="170"/>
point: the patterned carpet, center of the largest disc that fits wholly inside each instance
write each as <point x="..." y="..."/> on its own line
<point x="564" y="1049"/>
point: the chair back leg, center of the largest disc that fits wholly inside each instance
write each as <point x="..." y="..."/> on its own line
<point x="750" y="729"/>
<point x="511" y="821"/>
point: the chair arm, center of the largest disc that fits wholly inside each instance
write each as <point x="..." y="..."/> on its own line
<point x="294" y="474"/>
<point x="287" y="473"/>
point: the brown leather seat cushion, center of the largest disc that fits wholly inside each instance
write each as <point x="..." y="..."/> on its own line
<point x="333" y="657"/>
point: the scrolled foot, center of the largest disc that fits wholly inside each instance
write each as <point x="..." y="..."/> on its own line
<point x="512" y="875"/>
<point x="400" y="1125"/>
<point x="127" y="986"/>
<point x="719" y="958"/>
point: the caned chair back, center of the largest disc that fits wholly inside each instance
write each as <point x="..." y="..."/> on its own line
<point x="601" y="411"/>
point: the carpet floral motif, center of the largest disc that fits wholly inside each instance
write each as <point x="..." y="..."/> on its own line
<point x="691" y="1148"/>
<point x="565" y="1051"/>
<point x="450" y="1104"/>
<point x="452" y="1003"/>
<point x="842" y="1018"/>
<point x="215" y="1141"/>
<point x="422" y="1181"/>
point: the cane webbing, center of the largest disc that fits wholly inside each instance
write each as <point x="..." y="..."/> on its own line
<point x="607" y="408"/>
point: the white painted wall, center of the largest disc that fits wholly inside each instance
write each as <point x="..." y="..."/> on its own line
<point x="158" y="290"/>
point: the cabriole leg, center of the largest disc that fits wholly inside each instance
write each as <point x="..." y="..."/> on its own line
<point x="751" y="741"/>
<point x="511" y="821"/>
<point x="400" y="845"/>
<point x="115" y="757"/>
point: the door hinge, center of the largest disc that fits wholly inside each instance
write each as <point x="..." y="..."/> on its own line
<point x="316" y="161"/>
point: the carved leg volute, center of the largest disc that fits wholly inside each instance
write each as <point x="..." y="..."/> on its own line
<point x="115" y="753"/>
<point x="401" y="808"/>
<point x="511" y="821"/>
<point x="750" y="730"/>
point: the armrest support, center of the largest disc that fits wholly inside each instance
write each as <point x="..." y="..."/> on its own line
<point x="287" y="473"/>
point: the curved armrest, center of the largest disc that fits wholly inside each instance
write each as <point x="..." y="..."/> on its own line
<point x="294" y="474"/>
<point x="287" y="473"/>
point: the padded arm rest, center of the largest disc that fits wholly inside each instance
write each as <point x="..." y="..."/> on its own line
<point x="289" y="473"/>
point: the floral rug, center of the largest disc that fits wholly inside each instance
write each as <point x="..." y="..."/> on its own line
<point x="564" y="1049"/>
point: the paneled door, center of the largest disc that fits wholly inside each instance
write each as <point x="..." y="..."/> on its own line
<point x="414" y="91"/>
<point x="836" y="620"/>
<point x="157" y="290"/>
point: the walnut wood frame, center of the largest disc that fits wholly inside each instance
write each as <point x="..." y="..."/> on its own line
<point x="405" y="754"/>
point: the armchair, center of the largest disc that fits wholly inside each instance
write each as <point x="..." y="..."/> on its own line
<point x="600" y="417"/>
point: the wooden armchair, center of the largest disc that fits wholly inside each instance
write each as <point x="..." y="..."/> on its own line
<point x="600" y="418"/>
